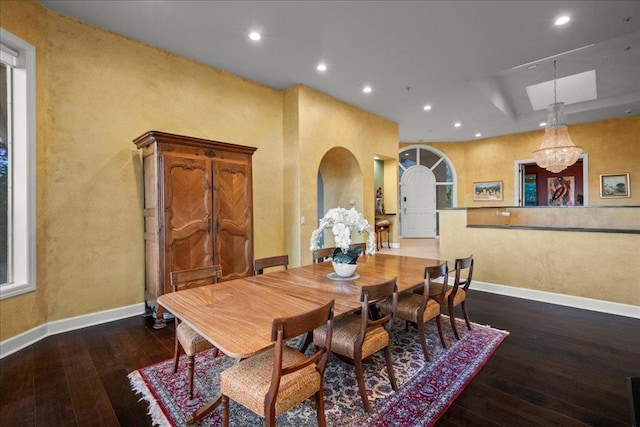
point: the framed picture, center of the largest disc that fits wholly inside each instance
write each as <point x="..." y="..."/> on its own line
<point x="486" y="191"/>
<point x="614" y="185"/>
<point x="561" y="191"/>
<point x="531" y="189"/>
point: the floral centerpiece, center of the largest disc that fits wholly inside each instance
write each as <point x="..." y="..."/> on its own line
<point x="342" y="222"/>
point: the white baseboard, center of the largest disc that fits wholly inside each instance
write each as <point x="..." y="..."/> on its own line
<point x="616" y="308"/>
<point x="395" y="245"/>
<point x="34" y="335"/>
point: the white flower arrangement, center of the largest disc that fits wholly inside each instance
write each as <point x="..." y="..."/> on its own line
<point x="342" y="222"/>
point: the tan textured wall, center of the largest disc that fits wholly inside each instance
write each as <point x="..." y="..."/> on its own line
<point x="603" y="266"/>
<point x="613" y="146"/>
<point x="97" y="91"/>
<point x="325" y="123"/>
<point x="28" y="20"/>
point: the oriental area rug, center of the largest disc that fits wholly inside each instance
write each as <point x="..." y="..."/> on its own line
<point x="425" y="389"/>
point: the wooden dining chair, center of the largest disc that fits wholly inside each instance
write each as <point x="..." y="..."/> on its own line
<point x="417" y="308"/>
<point x="321" y="255"/>
<point x="186" y="338"/>
<point x="358" y="336"/>
<point x="275" y="261"/>
<point x="274" y="381"/>
<point x="457" y="294"/>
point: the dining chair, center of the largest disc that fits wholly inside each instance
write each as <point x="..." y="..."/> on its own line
<point x="418" y="308"/>
<point x="321" y="255"/>
<point x="457" y="294"/>
<point x="187" y="338"/>
<point x="275" y="261"/>
<point x="275" y="380"/>
<point x="358" y="336"/>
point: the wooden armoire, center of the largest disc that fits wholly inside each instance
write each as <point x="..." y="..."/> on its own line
<point x="198" y="209"/>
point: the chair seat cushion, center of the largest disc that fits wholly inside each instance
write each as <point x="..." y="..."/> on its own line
<point x="458" y="298"/>
<point x="345" y="332"/>
<point x="191" y="341"/>
<point x="248" y="382"/>
<point x="408" y="306"/>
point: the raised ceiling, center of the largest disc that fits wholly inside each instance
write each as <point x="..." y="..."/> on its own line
<point x="457" y="56"/>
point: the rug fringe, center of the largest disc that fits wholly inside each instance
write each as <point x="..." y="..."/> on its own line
<point x="155" y="411"/>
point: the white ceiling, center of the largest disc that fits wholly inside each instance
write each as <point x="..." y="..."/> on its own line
<point x="457" y="56"/>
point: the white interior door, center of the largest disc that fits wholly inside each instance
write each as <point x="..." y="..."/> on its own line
<point x="418" y="202"/>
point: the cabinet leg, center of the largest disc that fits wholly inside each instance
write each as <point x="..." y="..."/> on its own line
<point x="160" y="323"/>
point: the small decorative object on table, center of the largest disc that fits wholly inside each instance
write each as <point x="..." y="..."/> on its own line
<point x="342" y="222"/>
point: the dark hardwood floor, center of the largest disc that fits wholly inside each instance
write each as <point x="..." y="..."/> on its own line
<point x="560" y="366"/>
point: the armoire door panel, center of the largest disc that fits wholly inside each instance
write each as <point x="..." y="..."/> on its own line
<point x="188" y="212"/>
<point x="191" y="252"/>
<point x="233" y="210"/>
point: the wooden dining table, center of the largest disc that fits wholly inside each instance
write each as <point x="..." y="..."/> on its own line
<point x="236" y="315"/>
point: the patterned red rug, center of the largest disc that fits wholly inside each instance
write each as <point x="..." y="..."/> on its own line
<point x="426" y="390"/>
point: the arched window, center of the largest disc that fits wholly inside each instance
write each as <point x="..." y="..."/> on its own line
<point x="438" y="163"/>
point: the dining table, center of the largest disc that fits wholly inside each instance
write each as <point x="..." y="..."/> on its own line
<point x="236" y="315"/>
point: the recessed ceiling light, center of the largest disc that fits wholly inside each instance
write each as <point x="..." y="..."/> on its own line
<point x="478" y="135"/>
<point x="427" y="107"/>
<point x="457" y="124"/>
<point x="321" y="67"/>
<point x="543" y="123"/>
<point x="367" y="89"/>
<point x="255" y="36"/>
<point x="563" y="20"/>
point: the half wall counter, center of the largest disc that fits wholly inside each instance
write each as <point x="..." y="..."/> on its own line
<point x="585" y="252"/>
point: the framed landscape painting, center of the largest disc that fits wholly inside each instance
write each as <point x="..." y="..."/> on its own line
<point x="614" y="185"/>
<point x="486" y="191"/>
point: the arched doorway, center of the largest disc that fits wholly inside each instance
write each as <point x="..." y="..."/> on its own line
<point x="427" y="183"/>
<point x="340" y="183"/>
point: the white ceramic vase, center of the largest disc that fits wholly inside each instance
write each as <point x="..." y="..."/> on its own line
<point x="344" y="270"/>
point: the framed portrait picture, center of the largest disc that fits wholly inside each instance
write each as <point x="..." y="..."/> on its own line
<point x="561" y="191"/>
<point x="487" y="191"/>
<point x="614" y="185"/>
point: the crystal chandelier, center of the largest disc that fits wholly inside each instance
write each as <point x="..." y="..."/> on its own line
<point x="557" y="152"/>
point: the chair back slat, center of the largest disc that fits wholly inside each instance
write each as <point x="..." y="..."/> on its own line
<point x="461" y="265"/>
<point x="297" y="325"/>
<point x="184" y="279"/>
<point x="321" y="255"/>
<point x="439" y="274"/>
<point x="369" y="297"/>
<point x="275" y="261"/>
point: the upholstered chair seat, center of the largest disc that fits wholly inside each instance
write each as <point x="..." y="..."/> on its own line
<point x="248" y="382"/>
<point x="344" y="334"/>
<point x="409" y="307"/>
<point x="191" y="341"/>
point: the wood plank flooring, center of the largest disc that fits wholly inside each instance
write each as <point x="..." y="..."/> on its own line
<point x="560" y="366"/>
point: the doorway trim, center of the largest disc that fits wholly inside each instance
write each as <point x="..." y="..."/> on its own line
<point x="518" y="194"/>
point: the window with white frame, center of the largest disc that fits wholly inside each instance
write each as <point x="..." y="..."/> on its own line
<point x="17" y="165"/>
